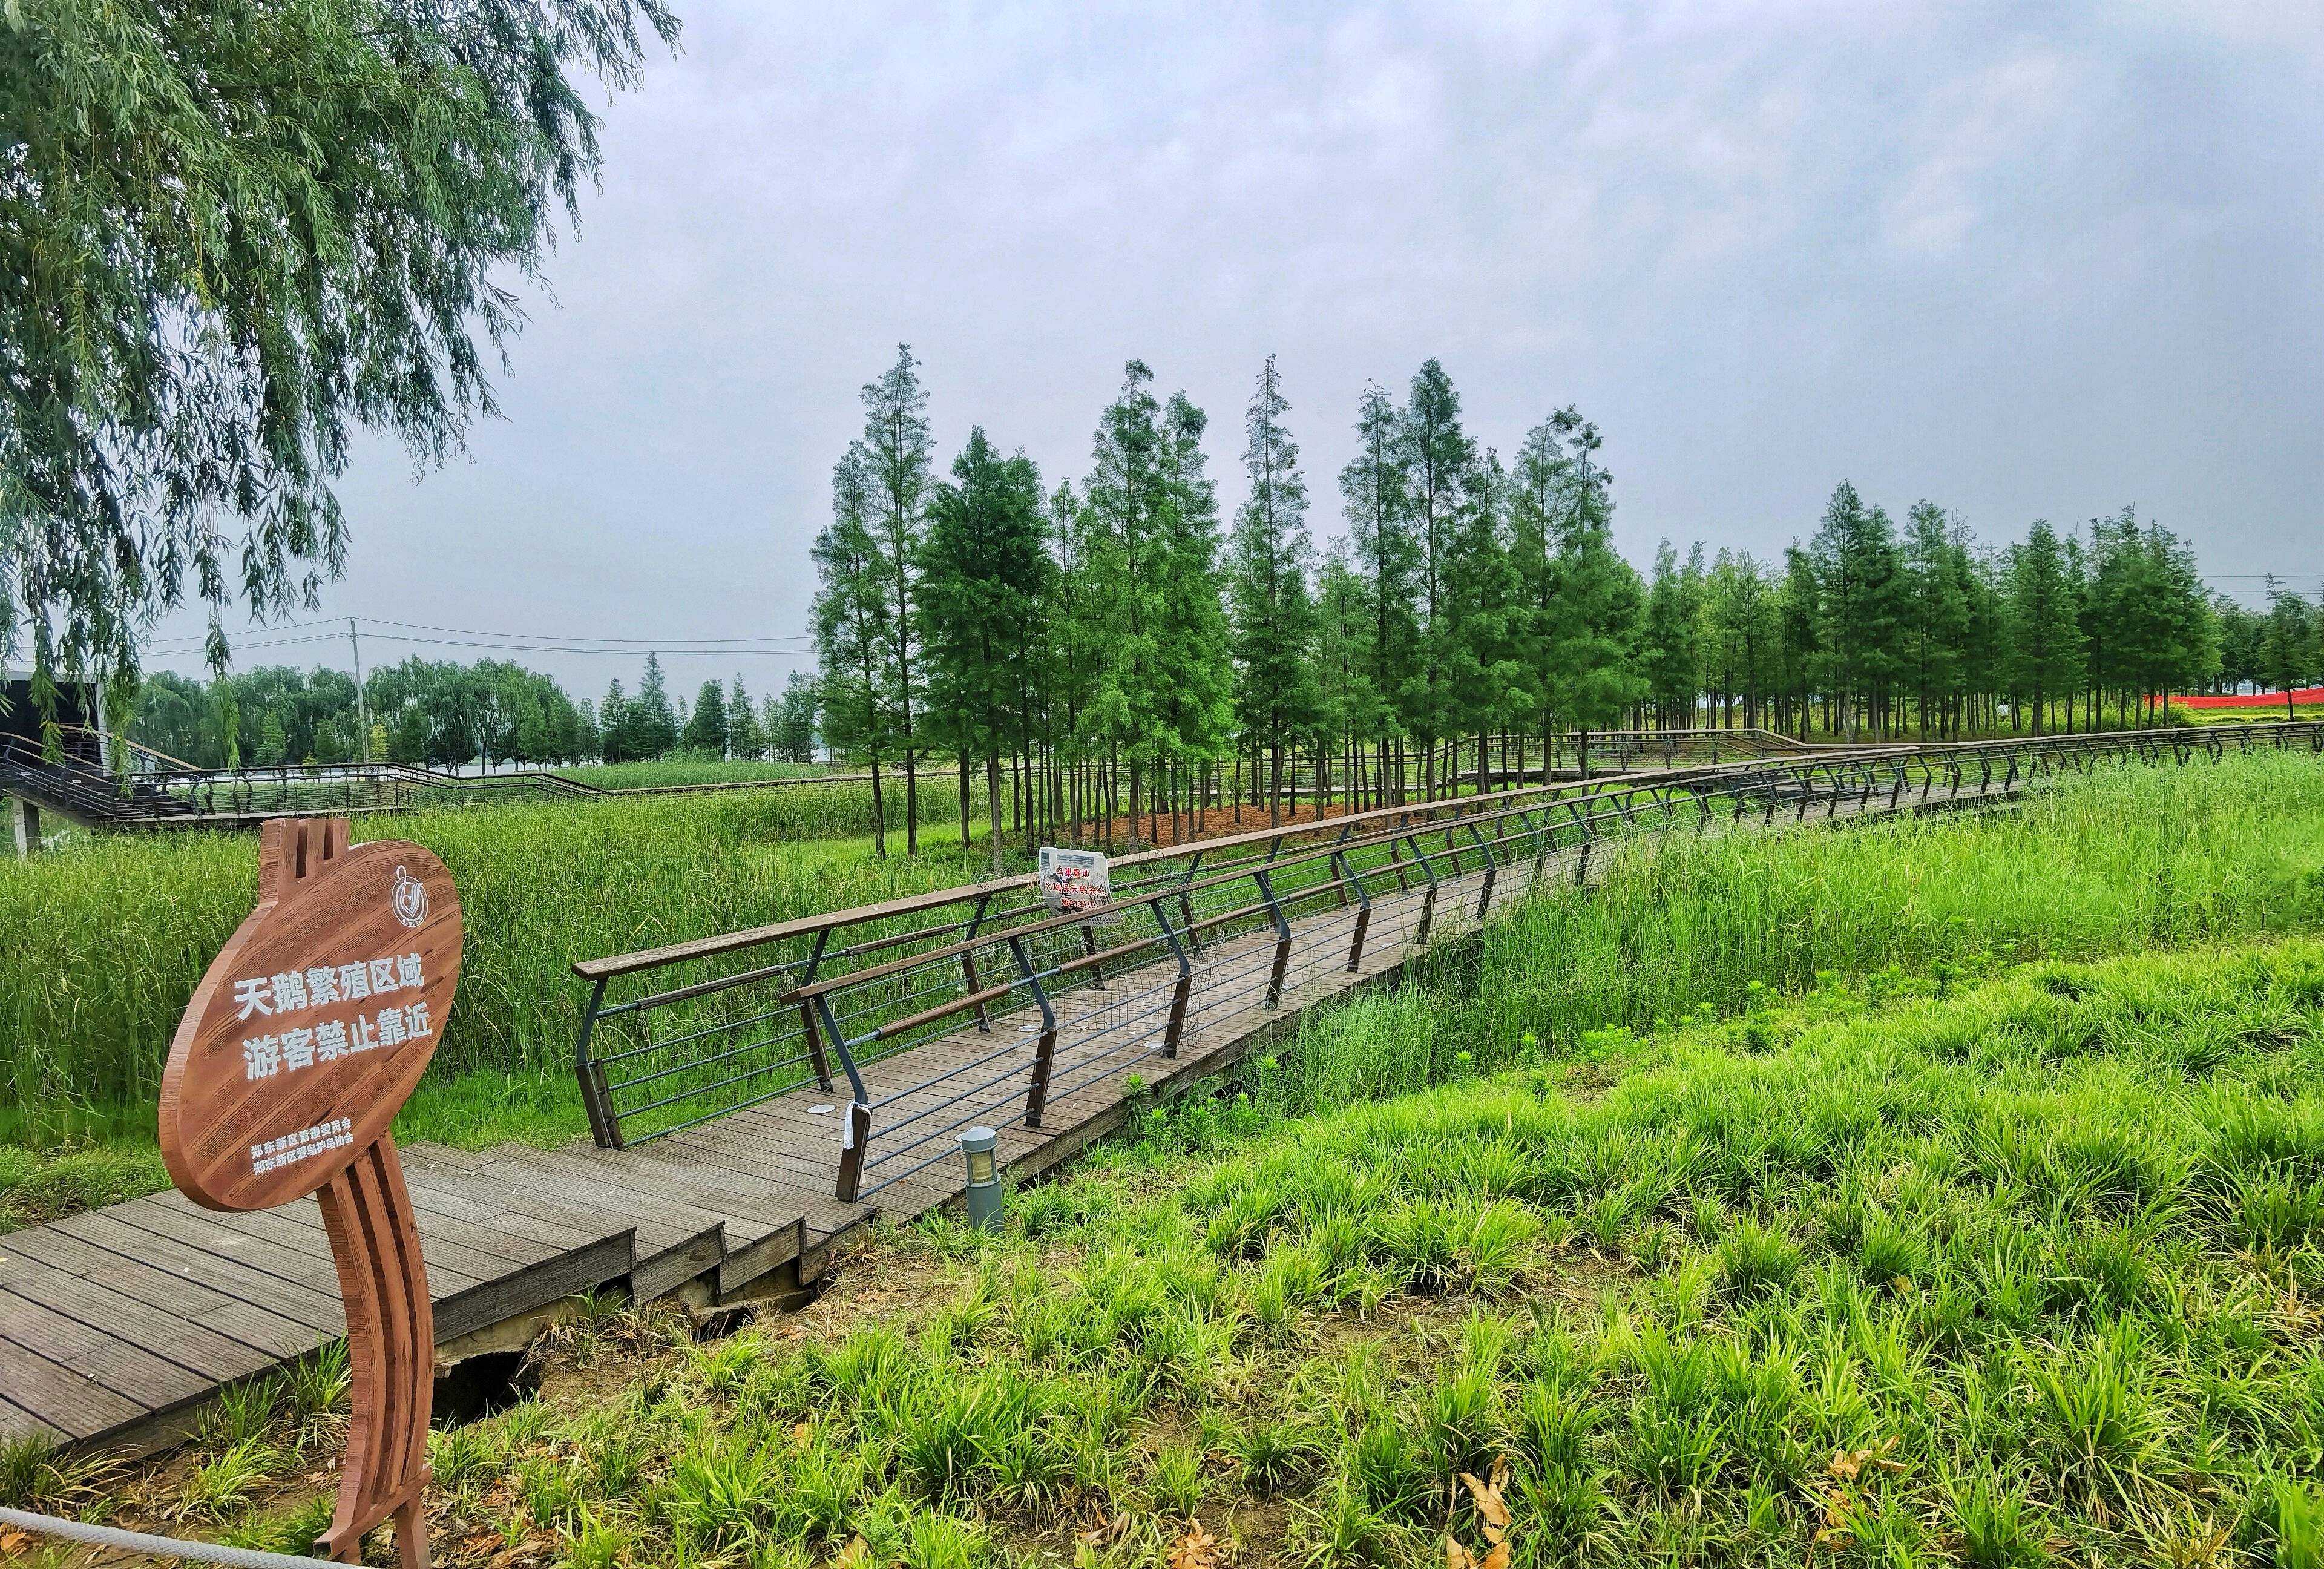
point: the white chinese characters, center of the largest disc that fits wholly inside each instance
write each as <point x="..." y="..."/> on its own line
<point x="304" y="1145"/>
<point x="301" y="1046"/>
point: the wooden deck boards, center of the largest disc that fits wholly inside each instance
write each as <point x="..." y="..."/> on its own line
<point x="116" y="1325"/>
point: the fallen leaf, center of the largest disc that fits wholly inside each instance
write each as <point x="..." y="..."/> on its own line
<point x="1196" y="1549"/>
<point x="1498" y="1558"/>
<point x="855" y="1554"/>
<point x="1456" y="1557"/>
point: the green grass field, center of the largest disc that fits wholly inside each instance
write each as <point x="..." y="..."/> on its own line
<point x="2021" y="1274"/>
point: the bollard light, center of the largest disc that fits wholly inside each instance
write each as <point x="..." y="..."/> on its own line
<point x="984" y="1179"/>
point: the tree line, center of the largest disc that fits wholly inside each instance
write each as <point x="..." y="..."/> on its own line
<point x="1120" y="649"/>
<point x="440" y="714"/>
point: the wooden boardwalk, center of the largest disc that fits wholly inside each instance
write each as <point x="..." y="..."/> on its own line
<point x="117" y="1324"/>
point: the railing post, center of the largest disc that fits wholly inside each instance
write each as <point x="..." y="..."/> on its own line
<point x="1492" y="870"/>
<point x="968" y="961"/>
<point x="815" y="1047"/>
<point x="1282" y="938"/>
<point x="1182" y="993"/>
<point x="1363" y="909"/>
<point x="604" y="1127"/>
<point x="855" y="1133"/>
<point x="1089" y="952"/>
<point x="1187" y="903"/>
<point x="1427" y="899"/>
<point x="1045" y="1053"/>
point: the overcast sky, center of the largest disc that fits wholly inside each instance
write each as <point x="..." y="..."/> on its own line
<point x="2025" y="261"/>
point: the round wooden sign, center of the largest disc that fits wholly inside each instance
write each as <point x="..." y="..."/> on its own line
<point x="316" y="1020"/>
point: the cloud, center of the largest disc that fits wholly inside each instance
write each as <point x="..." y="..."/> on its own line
<point x="2023" y="261"/>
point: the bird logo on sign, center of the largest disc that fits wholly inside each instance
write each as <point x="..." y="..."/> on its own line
<point x="408" y="899"/>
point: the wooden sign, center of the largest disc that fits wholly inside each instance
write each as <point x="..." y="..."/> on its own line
<point x="303" y="1040"/>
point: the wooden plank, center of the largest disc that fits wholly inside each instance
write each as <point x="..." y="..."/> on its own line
<point x="295" y="1261"/>
<point x="553" y="1279"/>
<point x="76" y="1405"/>
<point x="623" y="1180"/>
<point x="199" y="1328"/>
<point x="113" y="1230"/>
<point x="516" y="1211"/>
<point x="660" y="1222"/>
<point x="17" y="1423"/>
<point x="128" y="1370"/>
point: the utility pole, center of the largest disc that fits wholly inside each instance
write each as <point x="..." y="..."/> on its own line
<point x="363" y="709"/>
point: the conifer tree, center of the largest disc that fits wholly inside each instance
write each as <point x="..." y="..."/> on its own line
<point x="1197" y="662"/>
<point x="2287" y="645"/>
<point x="1375" y="496"/>
<point x="1936" y="611"/>
<point x="854" y="645"/>
<point x="1435" y="454"/>
<point x="896" y="458"/>
<point x="1593" y="651"/>
<point x="986" y="582"/>
<point x="1673" y="636"/>
<point x="1124" y="569"/>
<point x="1273" y="614"/>
<point x="1485" y="685"/>
<point x="611" y="731"/>
<point x="2045" y="633"/>
<point x="1857" y="578"/>
<point x="653" y="724"/>
<point x="1346" y="704"/>
<point x="706" y="722"/>
<point x="744" y="738"/>
<point x="791" y="722"/>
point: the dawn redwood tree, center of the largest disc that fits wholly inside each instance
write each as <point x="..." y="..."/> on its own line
<point x="1857" y="620"/>
<point x="744" y="739"/>
<point x="2044" y="627"/>
<point x="1273" y="614"/>
<point x="1197" y="666"/>
<point x="896" y="457"/>
<point x="1346" y="703"/>
<point x="791" y="719"/>
<point x="1122" y="579"/>
<point x="1485" y="686"/>
<point x="653" y="724"/>
<point x="706" y="722"/>
<point x="986" y="584"/>
<point x="234" y="237"/>
<point x="1434" y="453"/>
<point x="1593" y="650"/>
<point x="2288" y="643"/>
<point x="1673" y="636"/>
<point x="1936" y="608"/>
<point x="854" y="646"/>
<point x="1375" y="498"/>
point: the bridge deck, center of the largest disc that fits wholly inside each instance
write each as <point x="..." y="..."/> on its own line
<point x="116" y="1325"/>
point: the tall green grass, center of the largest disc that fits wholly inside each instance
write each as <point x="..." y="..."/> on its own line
<point x="106" y="940"/>
<point x="2131" y="858"/>
<point x="682" y="771"/>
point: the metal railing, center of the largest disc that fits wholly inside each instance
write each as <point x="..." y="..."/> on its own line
<point x="1022" y="1006"/>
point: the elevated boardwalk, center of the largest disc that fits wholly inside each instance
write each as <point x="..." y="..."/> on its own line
<point x="116" y="1325"/>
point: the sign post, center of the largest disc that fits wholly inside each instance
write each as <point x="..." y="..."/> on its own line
<point x="303" y="1040"/>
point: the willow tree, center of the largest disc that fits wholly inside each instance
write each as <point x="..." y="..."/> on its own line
<point x="233" y="238"/>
